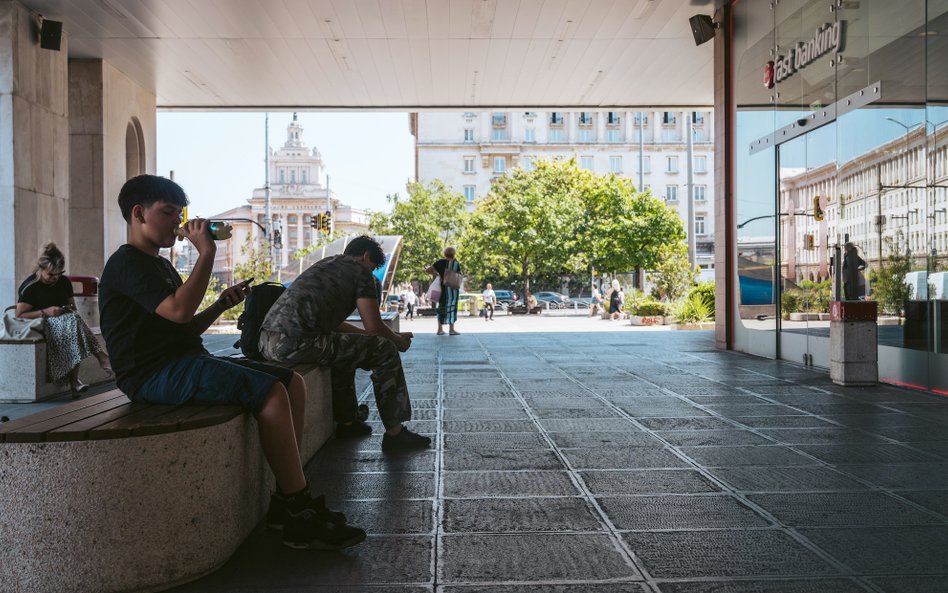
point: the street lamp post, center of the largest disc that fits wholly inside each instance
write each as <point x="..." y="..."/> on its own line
<point x="266" y="189"/>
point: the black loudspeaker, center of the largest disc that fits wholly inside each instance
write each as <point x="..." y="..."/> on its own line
<point x="702" y="27"/>
<point x="51" y="35"/>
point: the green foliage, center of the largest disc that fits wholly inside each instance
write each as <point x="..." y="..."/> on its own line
<point x="888" y="284"/>
<point x="633" y="298"/>
<point x="650" y="308"/>
<point x="704" y="291"/>
<point x="673" y="275"/>
<point x="431" y="218"/>
<point x="322" y="239"/>
<point x="560" y="219"/>
<point x="692" y="309"/>
<point x="791" y="301"/>
<point x="526" y="224"/>
<point x="621" y="228"/>
<point x="816" y="296"/>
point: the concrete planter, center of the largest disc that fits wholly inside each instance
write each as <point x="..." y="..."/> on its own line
<point x="804" y="316"/>
<point x="646" y="319"/>
<point x="690" y="326"/>
<point x="824" y="316"/>
<point x="669" y="320"/>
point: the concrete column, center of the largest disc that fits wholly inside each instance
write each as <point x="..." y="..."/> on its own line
<point x="34" y="160"/>
<point x="111" y="139"/>
<point x="725" y="228"/>
<point x="600" y="125"/>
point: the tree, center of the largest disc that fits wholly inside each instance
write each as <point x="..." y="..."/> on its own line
<point x="257" y="266"/>
<point x="431" y="218"/>
<point x="624" y="229"/>
<point x="888" y="284"/>
<point x="673" y="275"/>
<point x="527" y="224"/>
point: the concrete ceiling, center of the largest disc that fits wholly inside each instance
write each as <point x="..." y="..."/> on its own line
<point x="396" y="54"/>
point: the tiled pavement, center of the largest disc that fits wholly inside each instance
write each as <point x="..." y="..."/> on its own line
<point x="631" y="462"/>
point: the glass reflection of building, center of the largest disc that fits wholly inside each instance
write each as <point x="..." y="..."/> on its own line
<point x="858" y="132"/>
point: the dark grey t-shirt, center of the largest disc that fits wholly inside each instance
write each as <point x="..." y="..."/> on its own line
<point x="321" y="297"/>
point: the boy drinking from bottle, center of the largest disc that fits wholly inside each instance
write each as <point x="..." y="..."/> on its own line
<point x="150" y="321"/>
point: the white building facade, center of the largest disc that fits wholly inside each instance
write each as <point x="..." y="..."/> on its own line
<point x="468" y="150"/>
<point x="297" y="194"/>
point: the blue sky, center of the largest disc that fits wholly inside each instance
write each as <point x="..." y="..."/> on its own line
<point x="217" y="156"/>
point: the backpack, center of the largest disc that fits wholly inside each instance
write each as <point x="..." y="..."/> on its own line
<point x="259" y="301"/>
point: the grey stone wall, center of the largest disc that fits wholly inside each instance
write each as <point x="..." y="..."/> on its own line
<point x="34" y="140"/>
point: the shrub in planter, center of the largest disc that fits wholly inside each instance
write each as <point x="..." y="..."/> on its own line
<point x="791" y="301"/>
<point x="692" y="309"/>
<point x="706" y="291"/>
<point x="650" y="309"/>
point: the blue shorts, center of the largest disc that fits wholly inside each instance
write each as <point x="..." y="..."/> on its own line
<point x="206" y="379"/>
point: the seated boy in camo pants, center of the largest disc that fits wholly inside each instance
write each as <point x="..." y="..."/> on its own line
<point x="307" y="324"/>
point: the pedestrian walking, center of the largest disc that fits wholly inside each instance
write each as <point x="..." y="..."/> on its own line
<point x="595" y="303"/>
<point x="448" y="271"/>
<point x="616" y="300"/>
<point x="410" y="300"/>
<point x="490" y="298"/>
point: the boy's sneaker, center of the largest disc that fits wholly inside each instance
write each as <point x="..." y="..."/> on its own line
<point x="276" y="514"/>
<point x="308" y="529"/>
<point x="404" y="440"/>
<point x="357" y="428"/>
<point x="363" y="412"/>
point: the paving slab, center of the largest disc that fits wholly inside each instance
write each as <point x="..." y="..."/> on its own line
<point x="653" y="463"/>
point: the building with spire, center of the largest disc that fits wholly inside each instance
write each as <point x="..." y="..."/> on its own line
<point x="299" y="190"/>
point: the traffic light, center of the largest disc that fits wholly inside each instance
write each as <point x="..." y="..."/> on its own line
<point x="327" y="222"/>
<point x="817" y="209"/>
<point x="314" y="221"/>
<point x="809" y="242"/>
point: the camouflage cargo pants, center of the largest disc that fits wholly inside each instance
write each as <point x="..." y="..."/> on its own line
<point x="343" y="354"/>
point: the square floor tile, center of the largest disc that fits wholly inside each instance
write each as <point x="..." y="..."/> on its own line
<point x="359" y="460"/>
<point x="762" y="586"/>
<point x="502" y="515"/>
<point x="782" y="421"/>
<point x="738" y="456"/>
<point x="699" y="423"/>
<point x="909" y="476"/>
<point x="633" y="438"/>
<point x="732" y="436"/>
<point x="933" y="584"/>
<point x="933" y="500"/>
<point x="623" y="458"/>
<point x="500" y="459"/>
<point x="456" y="414"/>
<point x="510" y="483"/>
<point x="532" y="557"/>
<point x="383" y="486"/>
<point x="385" y="517"/>
<point x="841" y="509"/>
<point x="817" y="436"/>
<point x="492" y="426"/>
<point x="736" y="553"/>
<point x="586" y="587"/>
<point x="481" y="441"/>
<point x="886" y="550"/>
<point x="588" y="425"/>
<point x="679" y="512"/>
<point x="649" y="481"/>
<point x="865" y="453"/>
<point x="785" y="479"/>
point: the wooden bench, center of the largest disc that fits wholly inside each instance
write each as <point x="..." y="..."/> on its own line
<point x="103" y="494"/>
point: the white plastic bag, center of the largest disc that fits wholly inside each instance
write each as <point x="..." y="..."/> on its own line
<point x="434" y="291"/>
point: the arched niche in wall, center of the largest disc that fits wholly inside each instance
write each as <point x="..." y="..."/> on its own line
<point x="134" y="149"/>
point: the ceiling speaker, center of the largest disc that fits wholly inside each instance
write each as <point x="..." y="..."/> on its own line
<point x="702" y="27"/>
<point x="51" y="34"/>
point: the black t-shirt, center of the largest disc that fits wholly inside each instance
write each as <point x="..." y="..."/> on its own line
<point x="39" y="295"/>
<point x="140" y="342"/>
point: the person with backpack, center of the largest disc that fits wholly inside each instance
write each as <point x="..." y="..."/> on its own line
<point x="307" y="324"/>
<point x="152" y="329"/>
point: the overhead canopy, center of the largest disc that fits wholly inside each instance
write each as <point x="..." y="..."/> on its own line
<point x="396" y="54"/>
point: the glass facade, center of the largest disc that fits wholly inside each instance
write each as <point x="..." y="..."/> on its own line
<point x="841" y="129"/>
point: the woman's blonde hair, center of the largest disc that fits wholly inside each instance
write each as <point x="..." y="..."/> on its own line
<point x="615" y="284"/>
<point x="51" y="260"/>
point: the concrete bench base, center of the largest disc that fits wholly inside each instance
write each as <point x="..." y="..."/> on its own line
<point x="23" y="368"/>
<point x="142" y="513"/>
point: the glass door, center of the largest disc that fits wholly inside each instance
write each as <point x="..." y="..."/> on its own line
<point x="806" y="206"/>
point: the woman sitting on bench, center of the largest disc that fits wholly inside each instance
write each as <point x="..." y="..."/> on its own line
<point x="48" y="293"/>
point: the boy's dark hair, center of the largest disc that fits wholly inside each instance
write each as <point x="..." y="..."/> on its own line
<point x="146" y="190"/>
<point x="363" y="244"/>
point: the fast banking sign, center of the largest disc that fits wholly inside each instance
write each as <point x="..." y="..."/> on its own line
<point x="827" y="39"/>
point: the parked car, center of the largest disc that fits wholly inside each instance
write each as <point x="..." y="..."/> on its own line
<point x="505" y="298"/>
<point x="582" y="301"/>
<point x="556" y="300"/>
